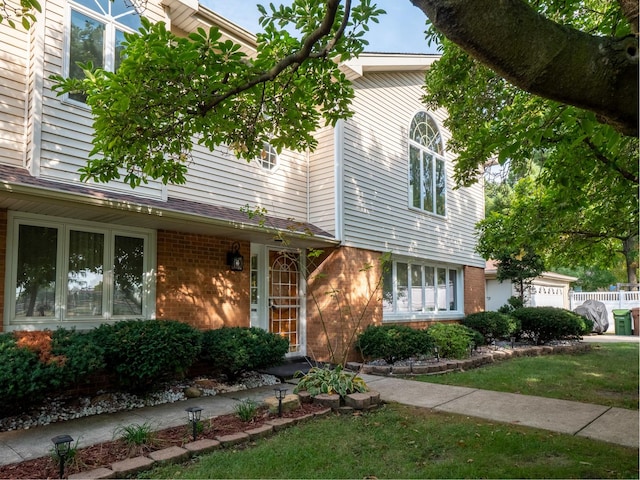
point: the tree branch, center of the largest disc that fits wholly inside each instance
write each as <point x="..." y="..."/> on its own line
<point x="295" y="58"/>
<point x="545" y="58"/>
<point x="610" y="163"/>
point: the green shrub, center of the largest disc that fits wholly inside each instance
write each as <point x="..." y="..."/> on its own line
<point x="452" y="339"/>
<point x="234" y="350"/>
<point x="78" y="353"/>
<point x="492" y="325"/>
<point x="330" y="380"/>
<point x="543" y="324"/>
<point x="513" y="303"/>
<point x="24" y="379"/>
<point x="393" y="342"/>
<point x="143" y="352"/>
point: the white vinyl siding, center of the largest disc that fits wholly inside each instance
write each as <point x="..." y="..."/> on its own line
<point x="220" y="178"/>
<point x="322" y="182"/>
<point x="376" y="204"/>
<point x="13" y="91"/>
<point x="64" y="129"/>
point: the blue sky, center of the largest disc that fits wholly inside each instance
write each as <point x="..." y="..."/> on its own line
<point x="401" y="30"/>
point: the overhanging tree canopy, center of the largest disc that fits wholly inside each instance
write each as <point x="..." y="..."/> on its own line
<point x="209" y="89"/>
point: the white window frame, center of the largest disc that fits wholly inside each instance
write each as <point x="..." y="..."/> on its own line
<point x="270" y="152"/>
<point x="64" y="226"/>
<point x="439" y="157"/>
<point x="111" y="25"/>
<point x="398" y="314"/>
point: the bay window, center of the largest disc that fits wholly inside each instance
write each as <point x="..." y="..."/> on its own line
<point x="414" y="290"/>
<point x="66" y="272"/>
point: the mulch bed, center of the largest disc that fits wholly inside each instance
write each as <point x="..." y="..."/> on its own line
<point x="104" y="454"/>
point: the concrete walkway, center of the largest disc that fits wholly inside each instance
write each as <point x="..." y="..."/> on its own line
<point x="613" y="425"/>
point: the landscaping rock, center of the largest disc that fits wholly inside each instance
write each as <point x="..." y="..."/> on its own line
<point x="289" y="403"/>
<point x="259" y="432"/>
<point x="233" y="439"/>
<point x="95" y="474"/>
<point x="328" y="400"/>
<point x="192" y="392"/>
<point x="358" y="401"/>
<point x="131" y="465"/>
<point x="170" y="455"/>
<point x="305" y="397"/>
<point x="204" y="445"/>
<point x="280" y="423"/>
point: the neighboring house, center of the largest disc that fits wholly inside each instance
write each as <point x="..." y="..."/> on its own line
<point x="548" y="290"/>
<point x="79" y="255"/>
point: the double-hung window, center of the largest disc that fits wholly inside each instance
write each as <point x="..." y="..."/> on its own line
<point x="96" y="34"/>
<point x="427" y="172"/>
<point x="414" y="289"/>
<point x="72" y="273"/>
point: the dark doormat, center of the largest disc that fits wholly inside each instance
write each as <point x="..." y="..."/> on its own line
<point x="287" y="370"/>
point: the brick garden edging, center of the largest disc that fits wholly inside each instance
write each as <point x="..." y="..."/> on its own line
<point x="130" y="466"/>
<point x="478" y="359"/>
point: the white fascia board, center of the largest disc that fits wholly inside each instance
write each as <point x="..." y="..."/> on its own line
<point x="387" y="62"/>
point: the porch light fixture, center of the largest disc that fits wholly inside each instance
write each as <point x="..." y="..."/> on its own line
<point x="234" y="259"/>
<point x="193" y="414"/>
<point x="62" y="444"/>
<point x="280" y="394"/>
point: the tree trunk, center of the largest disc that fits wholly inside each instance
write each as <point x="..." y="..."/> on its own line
<point x="545" y="58"/>
<point x="630" y="250"/>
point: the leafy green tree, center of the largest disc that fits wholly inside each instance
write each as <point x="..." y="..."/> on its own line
<point x="571" y="192"/>
<point x="590" y="279"/>
<point x="169" y="91"/>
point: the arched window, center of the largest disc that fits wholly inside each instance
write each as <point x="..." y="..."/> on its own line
<point x="268" y="158"/>
<point x="427" y="172"/>
<point x="96" y="34"/>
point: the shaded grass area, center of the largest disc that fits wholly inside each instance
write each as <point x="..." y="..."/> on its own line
<point x="606" y="375"/>
<point x="406" y="442"/>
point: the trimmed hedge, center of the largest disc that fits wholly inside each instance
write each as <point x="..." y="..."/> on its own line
<point x="24" y="379"/>
<point x="393" y="342"/>
<point x="33" y="364"/>
<point x="544" y="324"/>
<point x="492" y="325"/>
<point x="144" y="352"/>
<point x="234" y="350"/>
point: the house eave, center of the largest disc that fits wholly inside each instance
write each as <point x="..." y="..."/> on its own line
<point x="103" y="207"/>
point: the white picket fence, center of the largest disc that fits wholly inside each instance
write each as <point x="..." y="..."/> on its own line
<point x="612" y="300"/>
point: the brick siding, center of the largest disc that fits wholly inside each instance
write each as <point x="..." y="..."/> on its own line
<point x="194" y="283"/>
<point x="474" y="290"/>
<point x="358" y="302"/>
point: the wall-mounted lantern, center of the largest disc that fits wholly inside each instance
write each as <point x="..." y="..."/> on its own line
<point x="234" y="259"/>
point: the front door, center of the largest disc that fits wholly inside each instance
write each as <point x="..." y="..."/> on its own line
<point x="284" y="297"/>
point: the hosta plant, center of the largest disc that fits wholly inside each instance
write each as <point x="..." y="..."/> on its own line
<point x="330" y="380"/>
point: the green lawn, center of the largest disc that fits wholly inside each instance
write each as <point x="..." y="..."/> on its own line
<point x="606" y="375"/>
<point x="407" y="442"/>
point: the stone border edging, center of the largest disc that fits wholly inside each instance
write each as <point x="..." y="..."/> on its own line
<point x="177" y="454"/>
<point x="475" y="361"/>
